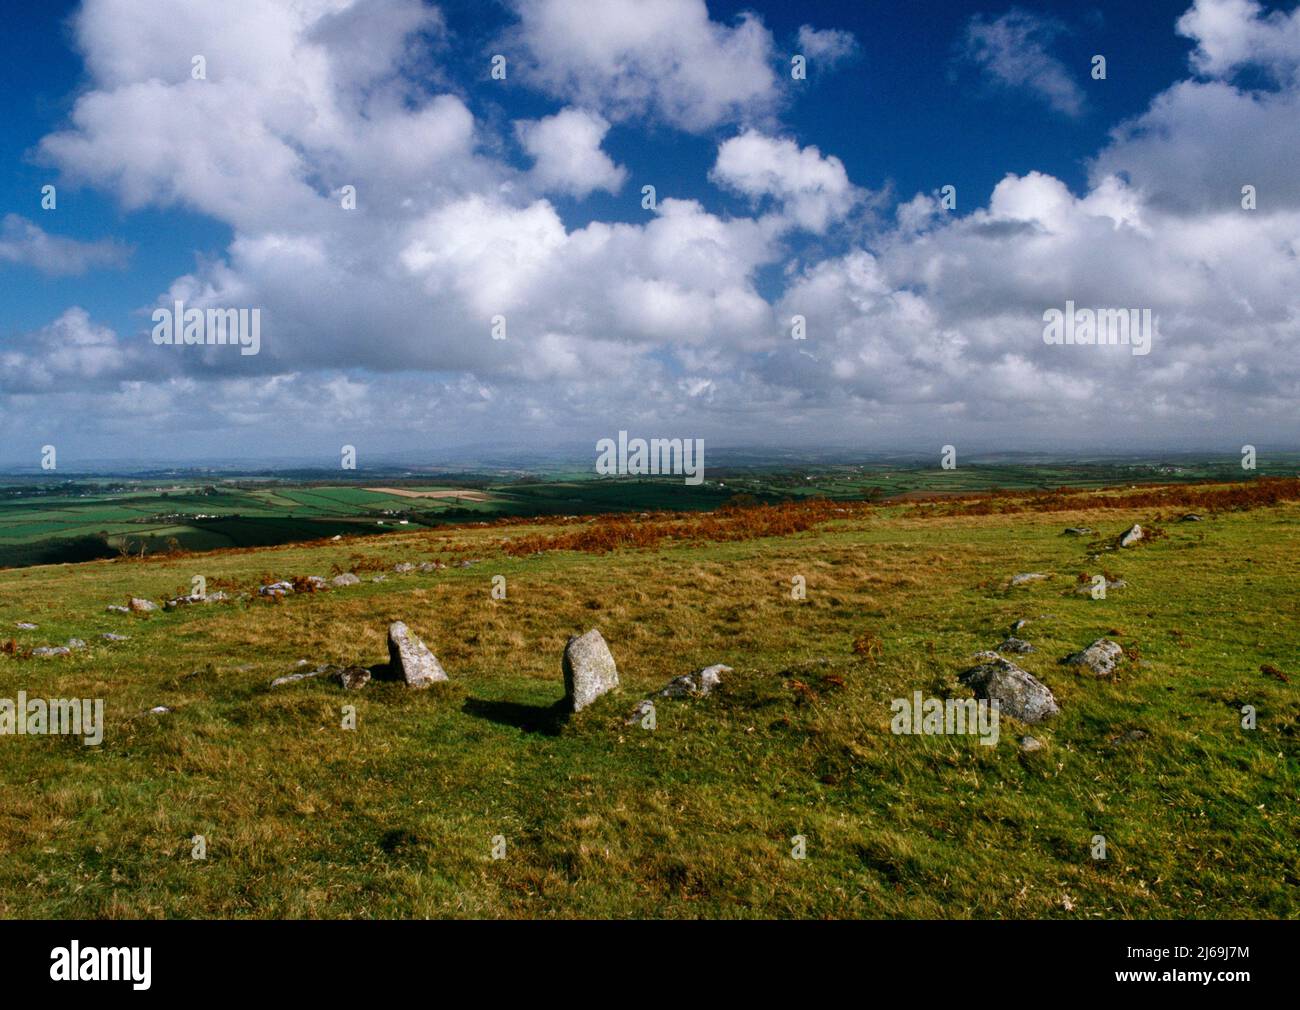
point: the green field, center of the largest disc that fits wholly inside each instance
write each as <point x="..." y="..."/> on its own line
<point x="697" y="817"/>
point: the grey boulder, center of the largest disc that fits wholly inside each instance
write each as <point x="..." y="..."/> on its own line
<point x="1018" y="693"/>
<point x="1101" y="657"/>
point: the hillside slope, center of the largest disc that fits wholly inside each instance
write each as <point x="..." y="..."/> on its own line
<point x="399" y="816"/>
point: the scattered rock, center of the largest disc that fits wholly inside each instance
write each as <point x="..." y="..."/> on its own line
<point x="1029" y="744"/>
<point x="698" y="684"/>
<point x="1076" y="531"/>
<point x="1014" y="644"/>
<point x="75" y="643"/>
<point x="27" y="626"/>
<point x="380" y="578"/>
<point x="113" y="608"/>
<point x="986" y="656"/>
<point x="1018" y="624"/>
<point x="346" y="579"/>
<point x="589" y="669"/>
<point x="46" y="651"/>
<point x="193" y="598"/>
<point x="293" y="678"/>
<point x="643" y="708"/>
<point x="1129" y="736"/>
<point x="159" y="710"/>
<point x="428" y="566"/>
<point x="1024" y="578"/>
<point x="140" y="606"/>
<point x="1100" y="657"/>
<point x="404" y="567"/>
<point x="276" y="589"/>
<point x="1018" y="693"/>
<point x="108" y="636"/>
<point x="1131" y="536"/>
<point x="1086" y="588"/>
<point x="354" y="678"/>
<point x="410" y="659"/>
<point x="1192" y="517"/>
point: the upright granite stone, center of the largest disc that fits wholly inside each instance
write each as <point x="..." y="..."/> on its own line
<point x="1131" y="536"/>
<point x="1018" y="693"/>
<point x="409" y="659"/>
<point x="589" y="670"/>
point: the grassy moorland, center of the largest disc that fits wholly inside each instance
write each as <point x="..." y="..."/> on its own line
<point x="694" y="818"/>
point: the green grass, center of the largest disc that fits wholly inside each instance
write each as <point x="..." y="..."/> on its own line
<point x="695" y="818"/>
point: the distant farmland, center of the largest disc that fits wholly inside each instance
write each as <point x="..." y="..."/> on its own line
<point x="46" y="522"/>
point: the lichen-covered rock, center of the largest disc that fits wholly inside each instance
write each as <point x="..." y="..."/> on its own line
<point x="697" y="684"/>
<point x="1101" y="657"/>
<point x="643" y="708"/>
<point x="354" y="678"/>
<point x="589" y="670"/>
<point x="142" y="606"/>
<point x="1013" y="644"/>
<point x="404" y="567"/>
<point x="1028" y="744"/>
<point x="346" y="579"/>
<point x="1018" y="693"/>
<point x="410" y="660"/>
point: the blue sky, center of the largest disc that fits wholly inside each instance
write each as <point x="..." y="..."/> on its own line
<point x="777" y="196"/>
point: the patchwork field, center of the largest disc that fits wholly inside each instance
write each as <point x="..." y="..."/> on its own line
<point x="697" y="817"/>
